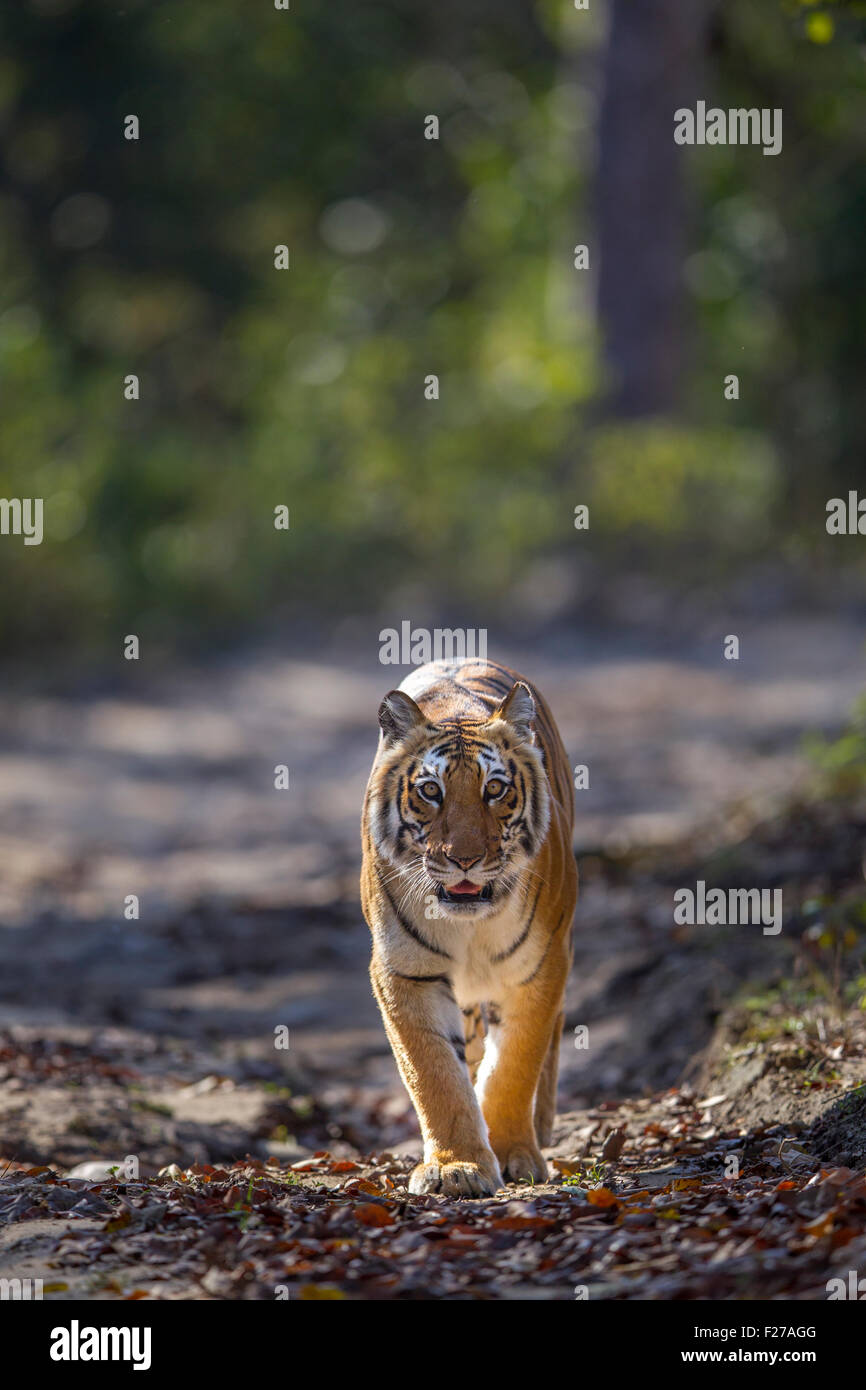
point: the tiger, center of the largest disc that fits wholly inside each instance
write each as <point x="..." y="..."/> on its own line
<point x="469" y="886"/>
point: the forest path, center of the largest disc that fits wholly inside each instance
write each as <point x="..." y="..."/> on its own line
<point x="155" y="1037"/>
<point x="249" y="916"/>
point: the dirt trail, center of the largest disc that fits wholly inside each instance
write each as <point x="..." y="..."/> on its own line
<point x="155" y="1037"/>
<point x="248" y="895"/>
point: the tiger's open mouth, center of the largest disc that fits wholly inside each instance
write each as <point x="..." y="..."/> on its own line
<point x="465" y="893"/>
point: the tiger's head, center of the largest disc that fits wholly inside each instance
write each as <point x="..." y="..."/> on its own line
<point x="459" y="809"/>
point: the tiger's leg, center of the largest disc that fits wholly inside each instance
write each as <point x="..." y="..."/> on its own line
<point x="545" y="1096"/>
<point x="509" y="1075"/>
<point x="474" y="1031"/>
<point x="425" y="1030"/>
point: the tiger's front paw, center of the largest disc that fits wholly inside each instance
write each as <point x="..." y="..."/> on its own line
<point x="457" y="1179"/>
<point x="523" y="1162"/>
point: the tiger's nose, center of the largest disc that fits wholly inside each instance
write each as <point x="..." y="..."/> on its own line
<point x="463" y="863"/>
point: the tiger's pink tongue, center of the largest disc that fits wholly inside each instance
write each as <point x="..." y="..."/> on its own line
<point x="471" y="890"/>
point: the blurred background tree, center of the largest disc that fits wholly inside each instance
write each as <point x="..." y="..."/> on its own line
<point x="412" y="257"/>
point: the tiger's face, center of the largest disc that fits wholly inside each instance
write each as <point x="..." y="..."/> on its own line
<point x="460" y="809"/>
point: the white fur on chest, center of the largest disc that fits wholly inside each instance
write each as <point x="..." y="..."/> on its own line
<point x="476" y="975"/>
<point x="481" y="959"/>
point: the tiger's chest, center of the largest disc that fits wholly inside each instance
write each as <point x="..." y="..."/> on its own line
<point x="489" y="957"/>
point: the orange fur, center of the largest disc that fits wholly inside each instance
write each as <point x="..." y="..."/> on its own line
<point x="468" y="885"/>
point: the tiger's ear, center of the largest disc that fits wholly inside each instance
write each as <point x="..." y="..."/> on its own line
<point x="398" y="715"/>
<point x="518" y="710"/>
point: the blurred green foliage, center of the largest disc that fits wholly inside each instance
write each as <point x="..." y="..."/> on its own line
<point x="841" y="761"/>
<point x="408" y="257"/>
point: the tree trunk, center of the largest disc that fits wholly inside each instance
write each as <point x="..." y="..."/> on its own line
<point x="652" y="66"/>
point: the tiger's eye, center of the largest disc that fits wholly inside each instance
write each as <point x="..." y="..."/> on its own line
<point x="430" y="790"/>
<point x="495" y="788"/>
